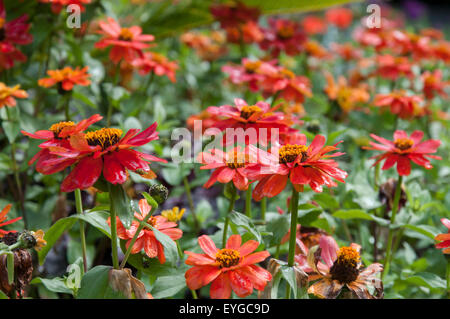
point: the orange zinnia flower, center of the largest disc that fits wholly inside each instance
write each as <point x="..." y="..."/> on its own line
<point x="444" y="238"/>
<point x="156" y="63"/>
<point x="8" y="95"/>
<point x="391" y="67"/>
<point x="146" y="239"/>
<point x="346" y="96"/>
<point x="230" y="268"/>
<point x="127" y="43"/>
<point x="66" y="78"/>
<point x="3" y="214"/>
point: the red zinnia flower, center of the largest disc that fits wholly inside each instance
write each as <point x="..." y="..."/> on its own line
<point x="8" y="95"/>
<point x="57" y="5"/>
<point x="231" y="166"/>
<point x="251" y="117"/>
<point x="157" y="63"/>
<point x="283" y="35"/>
<point x="234" y="14"/>
<point x="230" y="268"/>
<point x="314" y="25"/>
<point x="248" y="72"/>
<point x="302" y="165"/>
<point x="403" y="150"/>
<point x="146" y="239"/>
<point x="127" y="43"/>
<point x="248" y="32"/>
<point x="340" y="17"/>
<point x="106" y="151"/>
<point x="391" y="67"/>
<point x="14" y="32"/>
<point x="444" y="238"/>
<point x="3" y="214"/>
<point x="399" y="103"/>
<point x="432" y="84"/>
<point x="66" y="78"/>
<point x="58" y="135"/>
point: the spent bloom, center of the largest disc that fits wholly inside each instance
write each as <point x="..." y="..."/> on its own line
<point x="232" y="268"/>
<point x="336" y="268"/>
<point x="403" y="150"/>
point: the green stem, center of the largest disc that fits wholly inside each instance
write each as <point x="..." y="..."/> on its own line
<point x="15" y="169"/>
<point x="227" y="217"/>
<point x="263" y="208"/>
<point x="180" y="252"/>
<point x="113" y="214"/>
<point x="136" y="234"/>
<point x="293" y="233"/>
<point x="448" y="276"/>
<point x="187" y="189"/>
<point x="79" y="208"/>
<point x="248" y="201"/>
<point x="194" y="294"/>
<point x="391" y="231"/>
<point x="377" y="177"/>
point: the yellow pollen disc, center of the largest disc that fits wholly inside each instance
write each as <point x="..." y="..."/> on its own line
<point x="236" y="160"/>
<point x="287" y="73"/>
<point x="252" y="66"/>
<point x="58" y="127"/>
<point x="104" y="137"/>
<point x="403" y="143"/>
<point x="125" y="34"/>
<point x="227" y="257"/>
<point x="285" y="32"/>
<point x="349" y="256"/>
<point x="289" y="153"/>
<point x="248" y="111"/>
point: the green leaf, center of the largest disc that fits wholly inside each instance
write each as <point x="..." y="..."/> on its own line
<point x="241" y="220"/>
<point x="288" y="273"/>
<point x="170" y="247"/>
<point x="293" y="5"/>
<point x="279" y="226"/>
<point x="96" y="219"/>
<point x="308" y="213"/>
<point x="54" y="284"/>
<point x="2" y="295"/>
<point x="10" y="267"/>
<point x="426" y="279"/>
<point x="168" y="286"/>
<point x="11" y="130"/>
<point x="122" y="204"/>
<point x="95" y="285"/>
<point x="359" y="214"/>
<point x="426" y="230"/>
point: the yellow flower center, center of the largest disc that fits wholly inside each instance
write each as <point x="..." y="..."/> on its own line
<point x="151" y="221"/>
<point x="236" y="159"/>
<point x="249" y="110"/>
<point x="58" y="127"/>
<point x="287" y="73"/>
<point x="174" y="214"/>
<point x="252" y="66"/>
<point x="403" y="143"/>
<point x="285" y="32"/>
<point x="104" y="137"/>
<point x="125" y="34"/>
<point x="289" y="153"/>
<point x="346" y="267"/>
<point x="227" y="257"/>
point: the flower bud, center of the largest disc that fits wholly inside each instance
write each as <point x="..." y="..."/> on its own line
<point x="159" y="193"/>
<point x="313" y="126"/>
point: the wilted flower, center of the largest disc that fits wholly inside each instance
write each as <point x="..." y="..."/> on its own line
<point x="403" y="150"/>
<point x="230" y="268"/>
